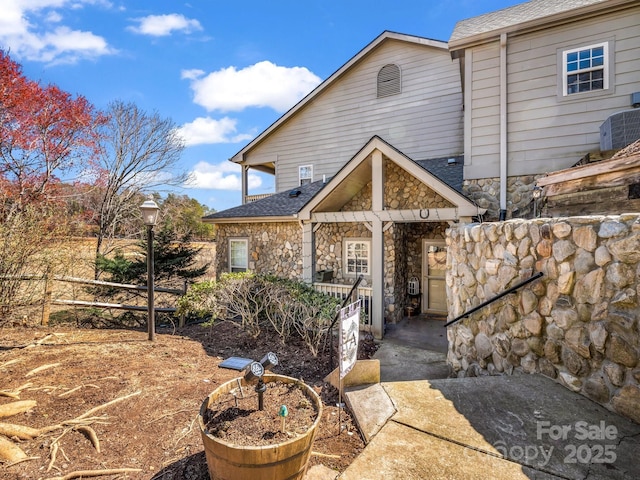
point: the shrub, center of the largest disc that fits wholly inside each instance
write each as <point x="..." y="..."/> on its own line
<point x="285" y="306"/>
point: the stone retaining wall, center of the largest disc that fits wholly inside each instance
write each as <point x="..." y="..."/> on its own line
<point x="578" y="324"/>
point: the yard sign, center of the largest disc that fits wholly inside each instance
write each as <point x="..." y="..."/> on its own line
<point x="349" y="331"/>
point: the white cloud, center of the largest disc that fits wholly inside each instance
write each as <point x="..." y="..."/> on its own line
<point x="163" y="25"/>
<point x="261" y="85"/>
<point x="206" y="130"/>
<point x="221" y="176"/>
<point x="192" y="74"/>
<point x="20" y="32"/>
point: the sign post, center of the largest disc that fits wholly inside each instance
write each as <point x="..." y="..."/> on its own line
<point x="349" y="333"/>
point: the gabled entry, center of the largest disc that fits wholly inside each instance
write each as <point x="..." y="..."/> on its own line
<point x="378" y="210"/>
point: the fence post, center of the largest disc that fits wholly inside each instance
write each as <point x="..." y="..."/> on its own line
<point x="181" y="319"/>
<point x="46" y="301"/>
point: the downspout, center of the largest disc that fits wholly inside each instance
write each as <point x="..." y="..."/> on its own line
<point x="503" y="127"/>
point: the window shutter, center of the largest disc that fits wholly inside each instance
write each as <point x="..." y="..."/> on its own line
<point x="388" y="80"/>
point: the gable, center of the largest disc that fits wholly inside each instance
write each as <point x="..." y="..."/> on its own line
<point x="422" y="116"/>
<point x="407" y="187"/>
<point x="402" y="191"/>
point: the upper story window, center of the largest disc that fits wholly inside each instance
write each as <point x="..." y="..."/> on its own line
<point x="585" y="69"/>
<point x="305" y="174"/>
<point x="357" y="257"/>
<point x="389" y="80"/>
<point x="238" y="254"/>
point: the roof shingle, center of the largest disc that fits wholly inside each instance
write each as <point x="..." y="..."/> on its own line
<point x="511" y="16"/>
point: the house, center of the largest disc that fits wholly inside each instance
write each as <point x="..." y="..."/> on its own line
<point x="539" y="79"/>
<point x="369" y="176"/>
<point x="413" y="135"/>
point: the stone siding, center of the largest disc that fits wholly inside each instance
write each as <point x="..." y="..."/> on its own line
<point x="485" y="192"/>
<point x="578" y="324"/>
<point x="274" y="248"/>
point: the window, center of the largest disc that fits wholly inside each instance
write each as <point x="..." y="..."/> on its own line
<point x="238" y="254"/>
<point x="388" y="80"/>
<point x="585" y="69"/>
<point x="305" y="174"/>
<point x="357" y="257"/>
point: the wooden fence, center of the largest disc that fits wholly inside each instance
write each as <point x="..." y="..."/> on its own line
<point x="48" y="294"/>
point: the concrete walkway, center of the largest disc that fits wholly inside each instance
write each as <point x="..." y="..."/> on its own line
<point x="419" y="424"/>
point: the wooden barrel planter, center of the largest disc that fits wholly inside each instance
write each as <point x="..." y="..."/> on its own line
<point x="279" y="461"/>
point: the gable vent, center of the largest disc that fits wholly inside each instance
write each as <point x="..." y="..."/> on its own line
<point x="388" y="80"/>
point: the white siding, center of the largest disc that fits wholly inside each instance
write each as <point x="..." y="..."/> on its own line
<point x="423" y="121"/>
<point x="547" y="131"/>
<point x="484" y="84"/>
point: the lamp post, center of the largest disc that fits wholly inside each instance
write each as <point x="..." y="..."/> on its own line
<point x="536" y="194"/>
<point x="149" y="210"/>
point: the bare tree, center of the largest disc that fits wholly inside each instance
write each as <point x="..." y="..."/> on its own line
<point x="140" y="152"/>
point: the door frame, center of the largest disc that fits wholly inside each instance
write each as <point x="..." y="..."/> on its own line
<point x="426" y="242"/>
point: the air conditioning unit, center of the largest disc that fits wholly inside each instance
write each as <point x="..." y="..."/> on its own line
<point x="620" y="130"/>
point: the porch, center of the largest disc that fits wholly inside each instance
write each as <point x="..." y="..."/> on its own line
<point x="342" y="291"/>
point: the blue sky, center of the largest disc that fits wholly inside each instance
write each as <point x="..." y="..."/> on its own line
<point x="222" y="71"/>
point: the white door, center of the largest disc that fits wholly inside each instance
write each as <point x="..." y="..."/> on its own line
<point x="434" y="267"/>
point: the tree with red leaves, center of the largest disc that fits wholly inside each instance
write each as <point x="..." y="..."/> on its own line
<point x="44" y="132"/>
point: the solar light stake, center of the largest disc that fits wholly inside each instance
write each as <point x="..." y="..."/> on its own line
<point x="256" y="370"/>
<point x="261" y="387"/>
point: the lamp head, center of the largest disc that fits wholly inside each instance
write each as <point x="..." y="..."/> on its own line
<point x="254" y="372"/>
<point x="149" y="210"/>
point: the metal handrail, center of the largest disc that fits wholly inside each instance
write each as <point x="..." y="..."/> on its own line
<point x="500" y="295"/>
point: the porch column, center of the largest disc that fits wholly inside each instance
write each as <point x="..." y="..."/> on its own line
<point x="244" y="183"/>
<point x="377" y="247"/>
<point x="377" y="275"/>
<point x="308" y="249"/>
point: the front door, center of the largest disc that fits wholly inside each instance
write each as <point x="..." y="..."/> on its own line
<point x="434" y="267"/>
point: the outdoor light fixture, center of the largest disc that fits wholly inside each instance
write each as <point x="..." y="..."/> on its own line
<point x="269" y="361"/>
<point x="149" y="210"/>
<point x="256" y="370"/>
<point x="537" y="192"/>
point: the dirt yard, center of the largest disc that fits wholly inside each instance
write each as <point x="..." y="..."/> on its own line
<point x="155" y="390"/>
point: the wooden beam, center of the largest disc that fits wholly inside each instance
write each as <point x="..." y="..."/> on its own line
<point x="398" y="216"/>
<point x="595" y="202"/>
<point x="606" y="166"/>
<point x="598" y="181"/>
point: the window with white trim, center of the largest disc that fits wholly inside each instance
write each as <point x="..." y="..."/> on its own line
<point x="238" y="254"/>
<point x="585" y="69"/>
<point x="357" y="257"/>
<point x="305" y="174"/>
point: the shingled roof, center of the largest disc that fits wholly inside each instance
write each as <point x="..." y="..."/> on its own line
<point x="447" y="169"/>
<point x="287" y="204"/>
<point x="505" y="19"/>
<point x="283" y="204"/>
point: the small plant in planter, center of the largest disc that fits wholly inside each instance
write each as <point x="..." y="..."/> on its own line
<point x="259" y="426"/>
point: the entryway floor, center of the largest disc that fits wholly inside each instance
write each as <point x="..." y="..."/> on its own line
<point x="425" y="331"/>
<point x="414" y="349"/>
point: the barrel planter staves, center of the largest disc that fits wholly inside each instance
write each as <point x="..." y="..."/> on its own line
<point x="280" y="461"/>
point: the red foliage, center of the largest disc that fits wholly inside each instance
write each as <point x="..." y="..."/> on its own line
<point x="44" y="132"/>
